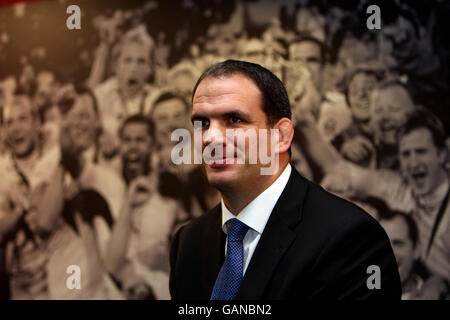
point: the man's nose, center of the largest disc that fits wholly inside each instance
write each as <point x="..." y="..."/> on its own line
<point x="413" y="160"/>
<point x="214" y="134"/>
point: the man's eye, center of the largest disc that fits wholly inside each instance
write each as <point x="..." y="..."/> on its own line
<point x="235" y="119"/>
<point x="200" y="123"/>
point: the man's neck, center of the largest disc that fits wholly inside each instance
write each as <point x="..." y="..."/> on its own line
<point x="237" y="199"/>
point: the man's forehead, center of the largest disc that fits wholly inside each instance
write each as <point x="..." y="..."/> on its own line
<point x="420" y="136"/>
<point x="394" y="95"/>
<point x="16" y="107"/>
<point x="136" y="129"/>
<point x="235" y="86"/>
<point x="135" y="49"/>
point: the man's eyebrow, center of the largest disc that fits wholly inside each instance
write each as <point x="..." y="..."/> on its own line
<point x="236" y="113"/>
<point x="197" y="116"/>
<point x="229" y="114"/>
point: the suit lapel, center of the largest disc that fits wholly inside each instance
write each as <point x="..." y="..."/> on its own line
<point x="214" y="246"/>
<point x="276" y="238"/>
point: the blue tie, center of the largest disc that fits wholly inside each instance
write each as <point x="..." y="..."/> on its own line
<point x="230" y="276"/>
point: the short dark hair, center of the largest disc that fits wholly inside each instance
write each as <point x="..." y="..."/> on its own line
<point x="168" y="95"/>
<point x="275" y="100"/>
<point x="138" y="118"/>
<point x="422" y="118"/>
<point x="413" y="231"/>
<point x="306" y="38"/>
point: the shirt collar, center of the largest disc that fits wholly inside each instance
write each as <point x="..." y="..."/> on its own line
<point x="257" y="213"/>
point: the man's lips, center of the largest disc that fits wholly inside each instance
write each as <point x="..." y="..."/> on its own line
<point x="419" y="176"/>
<point x="387" y="126"/>
<point x="220" y="162"/>
<point x="18" y="140"/>
<point x="132" y="82"/>
<point x="133" y="157"/>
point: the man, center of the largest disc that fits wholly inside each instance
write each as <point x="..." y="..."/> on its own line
<point x="355" y="142"/>
<point x="90" y="196"/>
<point x="128" y="92"/>
<point x="391" y="103"/>
<point x="186" y="183"/>
<point x="138" y="252"/>
<point x="26" y="221"/>
<point x="402" y="232"/>
<point x="304" y="78"/>
<point x="423" y="154"/>
<point x="310" y="52"/>
<point x="286" y="238"/>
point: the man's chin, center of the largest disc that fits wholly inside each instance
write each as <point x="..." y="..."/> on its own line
<point x="421" y="190"/>
<point x="220" y="178"/>
<point x="23" y="151"/>
<point x="133" y="166"/>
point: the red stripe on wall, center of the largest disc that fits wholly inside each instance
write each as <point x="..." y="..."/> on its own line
<point x="11" y="2"/>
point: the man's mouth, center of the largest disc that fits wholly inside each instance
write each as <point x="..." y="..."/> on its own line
<point x="217" y="163"/>
<point x="78" y="131"/>
<point x="18" y="140"/>
<point x="132" y="82"/>
<point x="133" y="157"/>
<point x="419" y="176"/>
<point x="361" y="102"/>
<point x="143" y="189"/>
<point x="386" y="126"/>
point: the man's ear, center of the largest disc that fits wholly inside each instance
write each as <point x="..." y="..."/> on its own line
<point x="286" y="134"/>
<point x="443" y="155"/>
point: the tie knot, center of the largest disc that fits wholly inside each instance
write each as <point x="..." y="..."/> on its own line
<point x="236" y="230"/>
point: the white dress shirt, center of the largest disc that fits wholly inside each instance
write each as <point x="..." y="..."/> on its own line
<point x="256" y="214"/>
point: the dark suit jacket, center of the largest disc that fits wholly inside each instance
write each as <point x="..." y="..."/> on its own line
<point x="315" y="246"/>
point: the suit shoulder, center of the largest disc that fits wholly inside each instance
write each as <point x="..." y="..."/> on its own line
<point x="204" y="221"/>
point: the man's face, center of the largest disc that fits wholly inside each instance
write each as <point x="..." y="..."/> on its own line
<point x="358" y="94"/>
<point x="169" y="115"/>
<point x="135" y="147"/>
<point x="398" y="41"/>
<point x="82" y="122"/>
<point x="45" y="88"/>
<point x="309" y="54"/>
<point x="133" y="68"/>
<point x="389" y="109"/>
<point x="421" y="161"/>
<point x="232" y="102"/>
<point x="21" y="127"/>
<point x="397" y="230"/>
